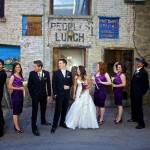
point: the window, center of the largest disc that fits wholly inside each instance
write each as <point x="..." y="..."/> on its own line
<point x="70" y="7"/>
<point x="2" y="8"/>
<point x="32" y="25"/>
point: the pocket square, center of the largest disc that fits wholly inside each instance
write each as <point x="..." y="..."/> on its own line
<point x="68" y="76"/>
<point x="44" y="78"/>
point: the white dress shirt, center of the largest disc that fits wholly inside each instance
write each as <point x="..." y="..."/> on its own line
<point x="138" y="70"/>
<point x="63" y="72"/>
<point x="40" y="74"/>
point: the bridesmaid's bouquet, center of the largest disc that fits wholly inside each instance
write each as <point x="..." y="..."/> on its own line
<point x="24" y="84"/>
<point x="94" y="81"/>
<point x="113" y="81"/>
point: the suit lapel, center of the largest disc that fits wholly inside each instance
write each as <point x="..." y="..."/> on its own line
<point x="66" y="74"/>
<point x="36" y="76"/>
<point x="60" y="72"/>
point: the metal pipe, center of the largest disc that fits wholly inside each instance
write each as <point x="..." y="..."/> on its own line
<point x="43" y="29"/>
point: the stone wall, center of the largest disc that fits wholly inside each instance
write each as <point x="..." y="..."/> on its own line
<point x="142" y="35"/>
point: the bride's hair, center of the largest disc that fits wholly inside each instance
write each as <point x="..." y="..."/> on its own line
<point x="82" y="72"/>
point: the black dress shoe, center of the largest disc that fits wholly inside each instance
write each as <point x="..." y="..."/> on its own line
<point x="131" y="120"/>
<point x="139" y="127"/>
<point x="53" y="130"/>
<point x="46" y="123"/>
<point x="64" y="125"/>
<point x="36" y="132"/>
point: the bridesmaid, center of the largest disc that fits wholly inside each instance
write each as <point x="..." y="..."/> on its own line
<point x="118" y="85"/>
<point x="15" y="84"/>
<point x="102" y="79"/>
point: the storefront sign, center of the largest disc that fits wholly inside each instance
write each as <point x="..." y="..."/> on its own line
<point x="109" y="27"/>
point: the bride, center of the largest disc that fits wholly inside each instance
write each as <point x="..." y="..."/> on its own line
<point x="82" y="113"/>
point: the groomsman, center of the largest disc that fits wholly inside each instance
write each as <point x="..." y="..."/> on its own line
<point x="61" y="83"/>
<point x="139" y="87"/>
<point x="3" y="77"/>
<point x="40" y="91"/>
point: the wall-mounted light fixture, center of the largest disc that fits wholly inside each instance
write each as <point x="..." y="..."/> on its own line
<point x="70" y="33"/>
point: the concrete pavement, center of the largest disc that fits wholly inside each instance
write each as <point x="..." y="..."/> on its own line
<point x="108" y="137"/>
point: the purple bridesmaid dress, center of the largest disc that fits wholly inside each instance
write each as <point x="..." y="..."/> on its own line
<point x="101" y="93"/>
<point x="118" y="91"/>
<point x="17" y="96"/>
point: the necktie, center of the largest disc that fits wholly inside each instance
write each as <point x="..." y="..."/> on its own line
<point x="39" y="76"/>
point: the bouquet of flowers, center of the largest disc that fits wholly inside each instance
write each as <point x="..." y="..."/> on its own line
<point x="113" y="81"/>
<point x="24" y="84"/>
<point x="84" y="85"/>
<point x="94" y="81"/>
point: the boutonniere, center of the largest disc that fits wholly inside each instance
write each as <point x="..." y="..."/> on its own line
<point x="67" y="74"/>
<point x="43" y="74"/>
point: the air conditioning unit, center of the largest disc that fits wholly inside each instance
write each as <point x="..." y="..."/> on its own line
<point x="134" y="1"/>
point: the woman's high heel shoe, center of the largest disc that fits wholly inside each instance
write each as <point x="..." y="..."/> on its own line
<point x="118" y="122"/>
<point x="101" y="122"/>
<point x="17" y="131"/>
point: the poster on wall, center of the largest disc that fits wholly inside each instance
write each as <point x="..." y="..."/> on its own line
<point x="108" y="27"/>
<point x="10" y="55"/>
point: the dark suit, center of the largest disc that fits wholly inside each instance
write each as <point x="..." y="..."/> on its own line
<point x="3" y="77"/>
<point x="63" y="96"/>
<point x="139" y="86"/>
<point x="39" y="90"/>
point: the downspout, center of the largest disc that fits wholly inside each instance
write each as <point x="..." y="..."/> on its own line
<point x="43" y="29"/>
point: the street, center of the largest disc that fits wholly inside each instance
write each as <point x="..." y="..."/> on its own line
<point x="108" y="137"/>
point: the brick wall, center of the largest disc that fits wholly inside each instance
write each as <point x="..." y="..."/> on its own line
<point x="33" y="48"/>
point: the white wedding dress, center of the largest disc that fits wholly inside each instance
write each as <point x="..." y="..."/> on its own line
<point x="82" y="113"/>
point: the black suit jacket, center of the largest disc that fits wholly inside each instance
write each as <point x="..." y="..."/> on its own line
<point x="3" y="77"/>
<point x="59" y="81"/>
<point x="140" y="82"/>
<point x="39" y="87"/>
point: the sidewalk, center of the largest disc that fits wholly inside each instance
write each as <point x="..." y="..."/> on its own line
<point x="108" y="137"/>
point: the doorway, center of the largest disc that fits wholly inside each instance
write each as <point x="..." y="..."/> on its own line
<point x="74" y="57"/>
<point x="124" y="56"/>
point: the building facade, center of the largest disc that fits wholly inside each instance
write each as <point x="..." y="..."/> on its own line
<point x="82" y="31"/>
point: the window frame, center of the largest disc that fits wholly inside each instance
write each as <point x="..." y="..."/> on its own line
<point x="27" y="24"/>
<point x="3" y="9"/>
<point x="52" y="8"/>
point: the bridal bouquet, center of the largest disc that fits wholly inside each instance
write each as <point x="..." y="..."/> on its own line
<point x="84" y="85"/>
<point x="94" y="81"/>
<point x="24" y="83"/>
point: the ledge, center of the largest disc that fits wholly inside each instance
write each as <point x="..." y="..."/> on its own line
<point x="2" y="19"/>
<point x="70" y="17"/>
<point x="118" y="48"/>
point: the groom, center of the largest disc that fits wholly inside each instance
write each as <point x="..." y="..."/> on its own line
<point x="61" y="83"/>
<point x="40" y="91"/>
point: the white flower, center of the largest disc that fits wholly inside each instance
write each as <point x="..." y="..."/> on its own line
<point x="43" y="75"/>
<point x="24" y="83"/>
<point x="112" y="79"/>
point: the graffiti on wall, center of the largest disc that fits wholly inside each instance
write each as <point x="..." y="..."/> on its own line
<point x="10" y="55"/>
